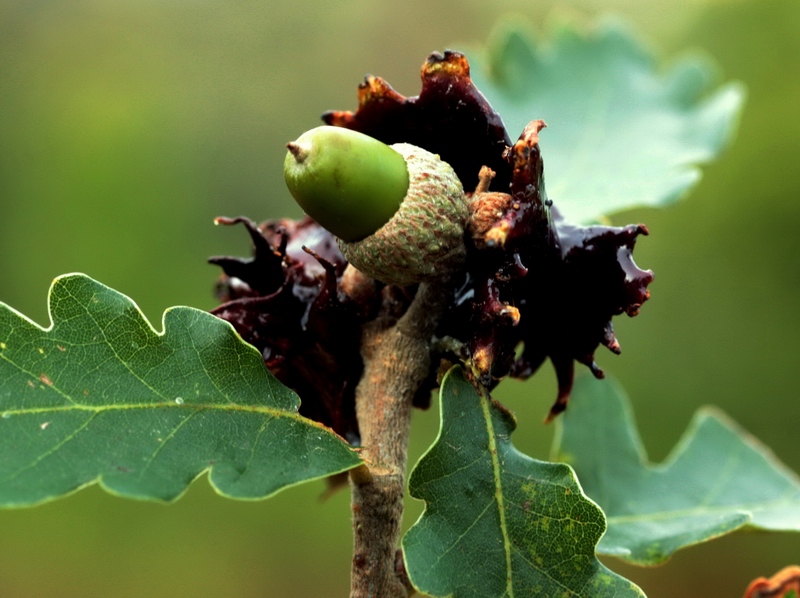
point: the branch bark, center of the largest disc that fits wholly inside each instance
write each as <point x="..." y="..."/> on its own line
<point x="396" y="362"/>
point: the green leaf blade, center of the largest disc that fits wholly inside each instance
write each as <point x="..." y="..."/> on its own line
<point x="101" y="397"/>
<point x="622" y="134"/>
<point x="717" y="480"/>
<point x="496" y="522"/>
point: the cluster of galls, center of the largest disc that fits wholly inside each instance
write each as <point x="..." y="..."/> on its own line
<point x="529" y="277"/>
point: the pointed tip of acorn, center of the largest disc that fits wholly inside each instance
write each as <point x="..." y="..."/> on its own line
<point x="300" y="151"/>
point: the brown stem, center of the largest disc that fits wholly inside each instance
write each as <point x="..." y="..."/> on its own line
<point x="396" y="362"/>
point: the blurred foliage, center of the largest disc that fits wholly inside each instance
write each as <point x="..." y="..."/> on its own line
<point x="628" y="133"/>
<point x="716" y="480"/>
<point x="125" y="127"/>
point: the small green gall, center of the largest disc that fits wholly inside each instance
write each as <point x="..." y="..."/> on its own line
<point x="400" y="225"/>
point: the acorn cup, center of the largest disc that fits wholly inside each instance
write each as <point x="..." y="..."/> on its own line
<point x="398" y="212"/>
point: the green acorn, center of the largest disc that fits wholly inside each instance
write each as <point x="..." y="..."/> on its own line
<point x="398" y="211"/>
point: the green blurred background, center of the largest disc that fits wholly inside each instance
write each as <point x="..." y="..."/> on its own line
<point x="126" y="126"/>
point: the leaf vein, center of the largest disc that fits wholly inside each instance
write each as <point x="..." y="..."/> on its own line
<point x="52" y="450"/>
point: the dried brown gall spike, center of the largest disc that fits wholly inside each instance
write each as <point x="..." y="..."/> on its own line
<point x="285" y="301"/>
<point x="486" y="209"/>
<point x="566" y="281"/>
<point x="449" y="117"/>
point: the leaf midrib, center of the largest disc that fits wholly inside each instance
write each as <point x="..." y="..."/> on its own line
<point x="259" y="409"/>
<point x="498" y="487"/>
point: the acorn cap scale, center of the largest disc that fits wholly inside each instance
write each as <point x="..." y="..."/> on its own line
<point x="350" y="183"/>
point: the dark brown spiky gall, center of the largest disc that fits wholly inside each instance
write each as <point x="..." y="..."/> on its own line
<point x="398" y="211"/>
